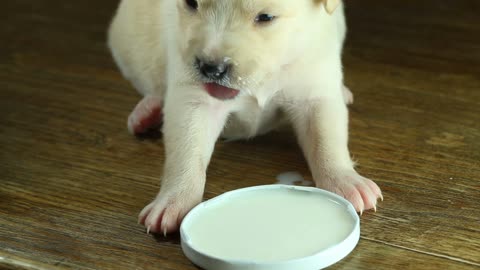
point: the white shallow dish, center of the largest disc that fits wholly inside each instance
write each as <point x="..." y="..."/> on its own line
<point x="277" y="227"/>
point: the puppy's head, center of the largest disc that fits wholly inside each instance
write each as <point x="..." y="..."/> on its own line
<point x="239" y="44"/>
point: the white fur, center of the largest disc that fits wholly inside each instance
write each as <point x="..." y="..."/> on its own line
<point x="289" y="71"/>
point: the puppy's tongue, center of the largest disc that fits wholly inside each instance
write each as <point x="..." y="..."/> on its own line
<point x="219" y="91"/>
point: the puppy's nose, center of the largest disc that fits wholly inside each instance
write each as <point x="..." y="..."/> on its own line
<point x="213" y="70"/>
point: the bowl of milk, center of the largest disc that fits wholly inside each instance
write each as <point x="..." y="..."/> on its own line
<point x="278" y="227"/>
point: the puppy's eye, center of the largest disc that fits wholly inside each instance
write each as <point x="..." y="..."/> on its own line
<point x="193" y="4"/>
<point x="264" y="18"/>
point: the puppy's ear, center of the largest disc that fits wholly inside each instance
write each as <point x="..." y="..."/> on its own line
<point x="330" y="5"/>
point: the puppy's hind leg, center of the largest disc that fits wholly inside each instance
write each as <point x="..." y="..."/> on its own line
<point x="146" y="115"/>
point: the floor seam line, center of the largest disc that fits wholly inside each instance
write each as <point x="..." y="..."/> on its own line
<point x="423" y="252"/>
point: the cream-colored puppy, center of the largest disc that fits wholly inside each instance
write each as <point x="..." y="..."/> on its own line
<point x="236" y="68"/>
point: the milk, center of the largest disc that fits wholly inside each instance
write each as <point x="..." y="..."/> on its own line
<point x="292" y="178"/>
<point x="269" y="225"/>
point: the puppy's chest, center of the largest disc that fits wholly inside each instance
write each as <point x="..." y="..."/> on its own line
<point x="252" y="117"/>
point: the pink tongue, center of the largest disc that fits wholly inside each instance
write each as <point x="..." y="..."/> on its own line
<point x="220" y="92"/>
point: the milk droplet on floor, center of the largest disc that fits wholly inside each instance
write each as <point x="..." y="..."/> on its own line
<point x="290" y="178"/>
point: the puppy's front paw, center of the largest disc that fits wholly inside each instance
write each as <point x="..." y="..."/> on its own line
<point x="363" y="193"/>
<point x="166" y="212"/>
<point x="146" y="115"/>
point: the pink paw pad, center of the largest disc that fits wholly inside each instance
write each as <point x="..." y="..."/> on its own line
<point x="146" y="115"/>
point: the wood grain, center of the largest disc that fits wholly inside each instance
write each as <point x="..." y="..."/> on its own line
<point x="72" y="180"/>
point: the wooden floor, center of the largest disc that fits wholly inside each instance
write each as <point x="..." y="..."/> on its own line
<point x="72" y="180"/>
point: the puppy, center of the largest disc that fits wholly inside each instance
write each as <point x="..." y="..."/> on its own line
<point x="237" y="69"/>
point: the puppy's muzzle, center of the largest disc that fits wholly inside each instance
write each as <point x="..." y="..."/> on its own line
<point x="213" y="70"/>
<point x="217" y="73"/>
